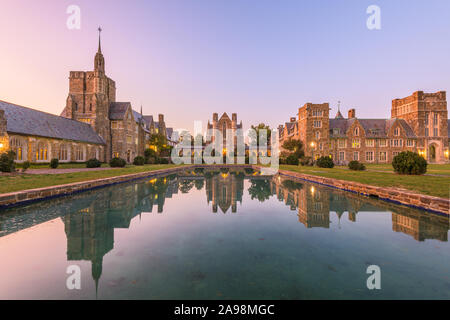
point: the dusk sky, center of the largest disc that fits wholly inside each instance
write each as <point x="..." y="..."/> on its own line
<point x="261" y="59"/>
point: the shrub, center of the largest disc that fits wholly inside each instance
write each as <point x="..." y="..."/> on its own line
<point x="292" y="160"/>
<point x="54" y="163"/>
<point x="356" y="165"/>
<point x="25" y="166"/>
<point x="408" y="162"/>
<point x="306" y="161"/>
<point x="139" y="161"/>
<point x="164" y="161"/>
<point x="117" y="163"/>
<point x="7" y="161"/>
<point x="150" y="160"/>
<point x="149" y="153"/>
<point x="325" y="162"/>
<point x="93" y="163"/>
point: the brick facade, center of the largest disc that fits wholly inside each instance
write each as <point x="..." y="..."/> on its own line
<point x="418" y="123"/>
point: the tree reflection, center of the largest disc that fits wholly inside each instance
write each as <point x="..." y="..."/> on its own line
<point x="260" y="189"/>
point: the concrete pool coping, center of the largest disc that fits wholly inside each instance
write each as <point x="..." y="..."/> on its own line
<point x="405" y="197"/>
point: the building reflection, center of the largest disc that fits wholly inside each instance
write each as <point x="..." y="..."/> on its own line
<point x="90" y="218"/>
<point x="315" y="204"/>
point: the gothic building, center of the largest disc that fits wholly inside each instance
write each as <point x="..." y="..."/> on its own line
<point x="418" y="123"/>
<point x="225" y="125"/>
<point x="92" y="125"/>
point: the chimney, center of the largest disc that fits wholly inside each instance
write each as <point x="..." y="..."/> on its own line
<point x="234" y="117"/>
<point x="351" y="113"/>
<point x="215" y="117"/>
<point x="293" y="119"/>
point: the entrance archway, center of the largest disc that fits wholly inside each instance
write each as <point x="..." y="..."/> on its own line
<point x="432" y="153"/>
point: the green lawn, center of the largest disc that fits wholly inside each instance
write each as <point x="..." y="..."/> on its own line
<point x="441" y="169"/>
<point x="32" y="181"/>
<point x="431" y="185"/>
<point x="71" y="165"/>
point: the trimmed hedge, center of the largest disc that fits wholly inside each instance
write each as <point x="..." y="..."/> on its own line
<point x="54" y="163"/>
<point x="139" y="161"/>
<point x="408" y="162"/>
<point x="292" y="160"/>
<point x="356" y="165"/>
<point x="7" y="162"/>
<point x="325" y="162"/>
<point x="117" y="163"/>
<point x="93" y="163"/>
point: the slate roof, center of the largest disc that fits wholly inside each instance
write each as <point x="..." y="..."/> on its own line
<point x="26" y="121"/>
<point x="373" y="128"/>
<point x="117" y="110"/>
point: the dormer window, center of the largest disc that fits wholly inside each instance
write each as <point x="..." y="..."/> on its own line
<point x="397" y="131"/>
<point x="356" y="131"/>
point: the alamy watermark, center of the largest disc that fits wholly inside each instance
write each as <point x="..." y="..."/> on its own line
<point x="374" y="20"/>
<point x="74" y="20"/>
<point x="73" y="281"/>
<point x="374" y="280"/>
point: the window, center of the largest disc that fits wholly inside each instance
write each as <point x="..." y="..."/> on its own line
<point x="356" y="143"/>
<point x="342" y="143"/>
<point x="370" y="143"/>
<point x="435" y="132"/>
<point x="383" y="143"/>
<point x="341" y="156"/>
<point x="85" y="120"/>
<point x="17" y="146"/>
<point x="383" y="156"/>
<point x="79" y="154"/>
<point x="427" y="133"/>
<point x="426" y="118"/>
<point x="320" y="146"/>
<point x="76" y="106"/>
<point x="336" y="131"/>
<point x="317" y="124"/>
<point x="90" y="107"/>
<point x="410" y="143"/>
<point x="63" y="155"/>
<point x="435" y="119"/>
<point x="396" y="131"/>
<point x="115" y="155"/>
<point x="396" y="143"/>
<point x="369" y="156"/>
<point x="395" y="153"/>
<point x="115" y="125"/>
<point x="356" y="131"/>
<point x="129" y="139"/>
<point x="317" y="113"/>
<point x="42" y="152"/>
<point x="356" y="156"/>
<point x="317" y="135"/>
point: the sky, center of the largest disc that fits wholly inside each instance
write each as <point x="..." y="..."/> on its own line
<point x="262" y="59"/>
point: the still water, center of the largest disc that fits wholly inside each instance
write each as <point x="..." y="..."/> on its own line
<point x="222" y="235"/>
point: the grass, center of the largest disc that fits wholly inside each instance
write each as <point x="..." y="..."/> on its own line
<point x="71" y="165"/>
<point x="31" y="181"/>
<point x="383" y="176"/>
<point x="441" y="169"/>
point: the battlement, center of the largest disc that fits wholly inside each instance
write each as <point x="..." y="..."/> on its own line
<point x="420" y="96"/>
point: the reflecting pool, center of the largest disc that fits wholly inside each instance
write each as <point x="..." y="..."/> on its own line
<point x="222" y="235"/>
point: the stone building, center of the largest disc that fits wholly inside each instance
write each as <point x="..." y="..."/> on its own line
<point x="37" y="136"/>
<point x="418" y="123"/>
<point x="225" y="125"/>
<point x="92" y="125"/>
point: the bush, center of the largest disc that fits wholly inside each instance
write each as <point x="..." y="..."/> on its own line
<point x="325" y="162"/>
<point x="292" y="160"/>
<point x="150" y="160"/>
<point x="139" y="161"/>
<point x="306" y="161"/>
<point x="164" y="161"/>
<point x="93" y="163"/>
<point x="25" y="166"/>
<point x="408" y="162"/>
<point x="54" y="163"/>
<point x="356" y="165"/>
<point x="7" y="162"/>
<point x="117" y="163"/>
<point x="149" y="153"/>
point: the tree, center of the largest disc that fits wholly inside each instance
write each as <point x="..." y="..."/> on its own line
<point x="259" y="128"/>
<point x="159" y="141"/>
<point x="295" y="147"/>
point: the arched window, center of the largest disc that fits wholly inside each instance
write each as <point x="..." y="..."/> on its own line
<point x="397" y="131"/>
<point x="356" y="131"/>
<point x="90" y="107"/>
<point x="76" y="106"/>
<point x="63" y="153"/>
<point x="317" y="135"/>
<point x="42" y="151"/>
<point x="19" y="147"/>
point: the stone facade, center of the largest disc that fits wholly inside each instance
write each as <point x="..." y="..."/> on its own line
<point x="225" y="125"/>
<point x="418" y="123"/>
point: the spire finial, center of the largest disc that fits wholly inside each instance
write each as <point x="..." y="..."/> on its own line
<point x="99" y="44"/>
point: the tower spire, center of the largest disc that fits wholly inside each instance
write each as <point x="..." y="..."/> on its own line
<point x="99" y="39"/>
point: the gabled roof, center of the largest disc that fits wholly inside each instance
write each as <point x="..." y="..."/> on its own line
<point x="26" y="121"/>
<point x="117" y="110"/>
<point x="339" y="115"/>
